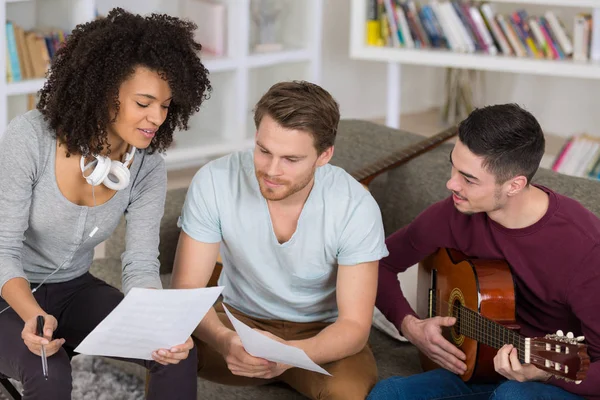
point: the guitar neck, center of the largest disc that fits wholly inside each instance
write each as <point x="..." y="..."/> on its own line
<point x="488" y="332"/>
<point x="367" y="174"/>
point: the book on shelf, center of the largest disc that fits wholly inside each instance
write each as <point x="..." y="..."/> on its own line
<point x="476" y="27"/>
<point x="211" y="18"/>
<point x="29" y="53"/>
<point x="579" y="156"/>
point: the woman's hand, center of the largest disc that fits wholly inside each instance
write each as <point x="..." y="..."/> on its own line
<point x="34" y="342"/>
<point x="175" y="354"/>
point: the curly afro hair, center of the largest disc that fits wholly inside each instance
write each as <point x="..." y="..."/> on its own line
<point x="84" y="79"/>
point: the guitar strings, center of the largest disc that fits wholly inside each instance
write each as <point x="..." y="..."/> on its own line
<point x="486" y="331"/>
<point x="491" y="339"/>
<point x="486" y="326"/>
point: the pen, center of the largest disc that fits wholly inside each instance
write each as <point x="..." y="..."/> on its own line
<point x="40" y="332"/>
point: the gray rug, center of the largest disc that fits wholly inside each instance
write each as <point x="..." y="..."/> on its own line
<point x="95" y="379"/>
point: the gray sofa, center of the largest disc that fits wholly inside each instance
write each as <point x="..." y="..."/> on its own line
<point x="401" y="193"/>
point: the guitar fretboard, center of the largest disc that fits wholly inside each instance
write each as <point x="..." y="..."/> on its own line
<point x="483" y="330"/>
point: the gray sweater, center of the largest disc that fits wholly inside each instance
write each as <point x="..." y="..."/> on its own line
<point x="40" y="229"/>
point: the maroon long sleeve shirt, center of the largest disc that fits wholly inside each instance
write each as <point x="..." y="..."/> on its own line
<point x="555" y="265"/>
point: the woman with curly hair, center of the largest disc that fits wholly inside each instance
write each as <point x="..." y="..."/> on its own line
<point x="70" y="170"/>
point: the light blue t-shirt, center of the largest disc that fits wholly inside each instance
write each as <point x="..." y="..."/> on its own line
<point x="296" y="280"/>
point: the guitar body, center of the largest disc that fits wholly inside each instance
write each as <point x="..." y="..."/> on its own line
<point x="485" y="286"/>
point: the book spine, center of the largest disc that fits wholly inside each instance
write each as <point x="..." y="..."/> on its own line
<point x="13" y="54"/>
<point x="485" y="33"/>
<point x="561" y="34"/>
<point x="494" y="27"/>
<point x="548" y="32"/>
<point x="373" y="25"/>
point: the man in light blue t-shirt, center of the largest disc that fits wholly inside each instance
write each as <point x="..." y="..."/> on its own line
<point x="300" y="241"/>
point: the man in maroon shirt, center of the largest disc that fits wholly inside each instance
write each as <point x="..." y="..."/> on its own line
<point x="551" y="242"/>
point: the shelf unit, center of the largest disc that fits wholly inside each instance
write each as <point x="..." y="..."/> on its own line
<point x="224" y="123"/>
<point x="395" y="57"/>
<point x="30" y="14"/>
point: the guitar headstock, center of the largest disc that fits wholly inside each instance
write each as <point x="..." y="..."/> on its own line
<point x="563" y="356"/>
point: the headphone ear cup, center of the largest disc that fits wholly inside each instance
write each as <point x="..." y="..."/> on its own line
<point x="99" y="171"/>
<point x="118" y="176"/>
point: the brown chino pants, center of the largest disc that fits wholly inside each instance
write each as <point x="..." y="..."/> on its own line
<point x="353" y="377"/>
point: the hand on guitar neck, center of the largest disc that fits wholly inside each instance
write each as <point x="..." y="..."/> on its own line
<point x="426" y="335"/>
<point x="507" y="364"/>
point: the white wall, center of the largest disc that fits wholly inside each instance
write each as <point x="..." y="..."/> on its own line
<point x="139" y="6"/>
<point x="562" y="106"/>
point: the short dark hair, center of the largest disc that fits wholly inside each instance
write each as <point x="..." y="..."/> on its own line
<point x="304" y="106"/>
<point x="98" y="56"/>
<point x="509" y="139"/>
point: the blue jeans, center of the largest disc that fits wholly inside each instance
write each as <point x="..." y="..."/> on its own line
<point x="442" y="384"/>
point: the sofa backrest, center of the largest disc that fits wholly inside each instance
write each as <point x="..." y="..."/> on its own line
<point x="401" y="193"/>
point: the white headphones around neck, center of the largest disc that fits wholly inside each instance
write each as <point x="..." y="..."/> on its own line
<point x="114" y="175"/>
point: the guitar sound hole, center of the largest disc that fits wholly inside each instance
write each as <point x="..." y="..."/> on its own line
<point x="456" y="310"/>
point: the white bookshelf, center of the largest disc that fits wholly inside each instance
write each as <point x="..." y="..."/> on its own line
<point x="550" y="3"/>
<point x="30" y="14"/>
<point x="396" y="57"/>
<point x="24" y="87"/>
<point x="224" y="123"/>
<point x="447" y="58"/>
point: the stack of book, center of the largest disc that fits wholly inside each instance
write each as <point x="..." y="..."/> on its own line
<point x="468" y="27"/>
<point x="28" y="53"/>
<point x="580" y="156"/>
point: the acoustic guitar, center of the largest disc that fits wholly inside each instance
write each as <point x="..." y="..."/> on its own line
<point x="480" y="294"/>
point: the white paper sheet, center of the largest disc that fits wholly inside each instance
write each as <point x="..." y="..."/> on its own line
<point x="259" y="345"/>
<point x="148" y="320"/>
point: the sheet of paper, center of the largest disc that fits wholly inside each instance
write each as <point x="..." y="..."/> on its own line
<point x="259" y="345"/>
<point x="147" y="320"/>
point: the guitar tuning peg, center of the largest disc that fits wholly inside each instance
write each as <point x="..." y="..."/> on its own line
<point x="577" y="382"/>
<point x="570" y="335"/>
<point x="559" y="333"/>
<point x="580" y="338"/>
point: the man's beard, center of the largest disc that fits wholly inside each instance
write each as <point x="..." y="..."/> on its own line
<point x="282" y="192"/>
